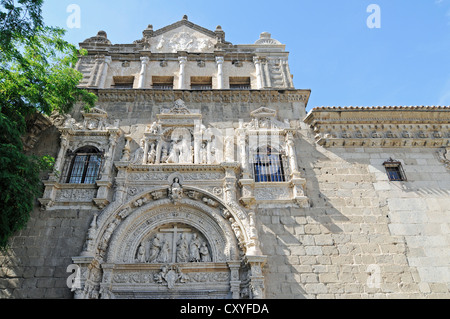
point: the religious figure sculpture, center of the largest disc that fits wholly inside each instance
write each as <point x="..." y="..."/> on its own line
<point x="194" y="249"/>
<point x="154" y="128"/>
<point x="203" y="154"/>
<point x="174" y="153"/>
<point x="138" y="154"/>
<point x="141" y="254"/>
<point x="204" y="252"/>
<point x="164" y="155"/>
<point x="176" y="191"/>
<point x="152" y="154"/>
<point x="164" y="254"/>
<point x="182" y="249"/>
<point x="155" y="248"/>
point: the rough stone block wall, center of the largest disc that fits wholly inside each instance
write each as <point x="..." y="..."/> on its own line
<point x="363" y="237"/>
<point x="36" y="263"/>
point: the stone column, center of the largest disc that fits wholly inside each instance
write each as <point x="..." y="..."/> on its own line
<point x="266" y="73"/>
<point x="145" y="157"/>
<point x="290" y="152"/>
<point x="181" y="84"/>
<point x="158" y="151"/>
<point x="256" y="277"/>
<point x="94" y="72"/>
<point x="219" y="61"/>
<point x="62" y="151"/>
<point x="198" y="136"/>
<point x="287" y="72"/>
<point x="259" y="83"/>
<point x="143" y="73"/>
<point x="103" y="71"/>
<point x="234" y="278"/>
<point x="242" y="149"/>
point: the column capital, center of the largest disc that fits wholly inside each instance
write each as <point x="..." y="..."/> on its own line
<point x="145" y="59"/>
<point x="219" y="59"/>
<point x="182" y="59"/>
<point x="257" y="59"/>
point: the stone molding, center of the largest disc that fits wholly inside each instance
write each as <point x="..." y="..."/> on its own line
<point x="198" y="96"/>
<point x="420" y="126"/>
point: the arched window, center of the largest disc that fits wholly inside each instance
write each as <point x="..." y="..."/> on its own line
<point x="84" y="166"/>
<point x="268" y="165"/>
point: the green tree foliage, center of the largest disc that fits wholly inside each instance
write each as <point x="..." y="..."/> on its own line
<point x="36" y="75"/>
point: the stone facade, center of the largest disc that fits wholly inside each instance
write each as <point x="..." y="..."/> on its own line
<point x="211" y="181"/>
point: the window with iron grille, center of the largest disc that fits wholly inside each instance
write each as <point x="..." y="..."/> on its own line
<point x="268" y="165"/>
<point x="123" y="82"/>
<point x="162" y="82"/>
<point x="394" y="170"/>
<point x="83" y="166"/>
<point x="239" y="83"/>
<point x="201" y="83"/>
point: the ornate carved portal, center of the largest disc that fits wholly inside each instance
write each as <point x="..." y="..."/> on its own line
<point x="162" y="249"/>
<point x="175" y="228"/>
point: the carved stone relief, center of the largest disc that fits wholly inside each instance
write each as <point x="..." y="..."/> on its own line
<point x="176" y="243"/>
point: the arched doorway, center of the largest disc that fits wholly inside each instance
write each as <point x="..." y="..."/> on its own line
<point x="163" y="246"/>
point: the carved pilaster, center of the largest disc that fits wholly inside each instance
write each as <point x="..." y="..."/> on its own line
<point x="256" y="277"/>
<point x="143" y="72"/>
<point x="182" y="74"/>
<point x="259" y="81"/>
<point x="235" y="282"/>
<point x="219" y="61"/>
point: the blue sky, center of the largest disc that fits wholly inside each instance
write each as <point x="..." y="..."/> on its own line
<point x="332" y="50"/>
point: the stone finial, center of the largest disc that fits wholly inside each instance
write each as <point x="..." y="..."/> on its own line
<point x="185" y="17"/>
<point x="102" y="34"/>
<point x="266" y="38"/>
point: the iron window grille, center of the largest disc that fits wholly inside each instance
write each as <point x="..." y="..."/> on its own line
<point x="394" y="170"/>
<point x="268" y="165"/>
<point x="83" y="166"/>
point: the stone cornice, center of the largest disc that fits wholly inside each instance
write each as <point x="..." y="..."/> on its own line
<point x="415" y="126"/>
<point x="192" y="96"/>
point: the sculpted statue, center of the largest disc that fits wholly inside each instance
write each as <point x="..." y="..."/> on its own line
<point x="154" y="128"/>
<point x="194" y="249"/>
<point x="174" y="153"/>
<point x="182" y="249"/>
<point x="154" y="248"/>
<point x="203" y="154"/>
<point x="141" y="254"/>
<point x="164" y="155"/>
<point x="164" y="254"/>
<point x="176" y="191"/>
<point x="152" y="154"/>
<point x="138" y="154"/>
<point x="204" y="252"/>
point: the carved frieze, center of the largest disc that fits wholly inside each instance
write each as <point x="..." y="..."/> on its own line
<point x="380" y="126"/>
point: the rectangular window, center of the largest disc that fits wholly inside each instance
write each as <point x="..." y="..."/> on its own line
<point x="123" y="82"/>
<point x="394" y="170"/>
<point x="268" y="166"/>
<point x="83" y="166"/>
<point x="162" y="82"/>
<point x="201" y="83"/>
<point x="239" y="83"/>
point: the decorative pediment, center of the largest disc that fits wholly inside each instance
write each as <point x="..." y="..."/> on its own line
<point x="179" y="107"/>
<point x="264" y="112"/>
<point x="95" y="112"/>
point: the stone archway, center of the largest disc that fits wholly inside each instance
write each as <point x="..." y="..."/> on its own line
<point x="118" y="263"/>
